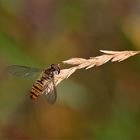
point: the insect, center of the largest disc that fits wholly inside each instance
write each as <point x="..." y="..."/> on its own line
<point x="43" y="85"/>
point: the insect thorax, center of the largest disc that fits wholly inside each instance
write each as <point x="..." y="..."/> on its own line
<point x="54" y="69"/>
<point x="48" y="73"/>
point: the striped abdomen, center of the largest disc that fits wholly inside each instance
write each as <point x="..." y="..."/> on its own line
<point x="41" y="83"/>
<point x="37" y="88"/>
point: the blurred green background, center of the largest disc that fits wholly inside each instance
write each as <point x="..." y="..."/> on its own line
<point x="101" y="103"/>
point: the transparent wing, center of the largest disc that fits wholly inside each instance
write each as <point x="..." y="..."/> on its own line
<point x="50" y="92"/>
<point x="22" y="71"/>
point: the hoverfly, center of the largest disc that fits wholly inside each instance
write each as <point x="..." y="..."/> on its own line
<point x="43" y="85"/>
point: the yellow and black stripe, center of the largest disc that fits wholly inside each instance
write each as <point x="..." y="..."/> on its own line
<point x="43" y="80"/>
<point x="36" y="89"/>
